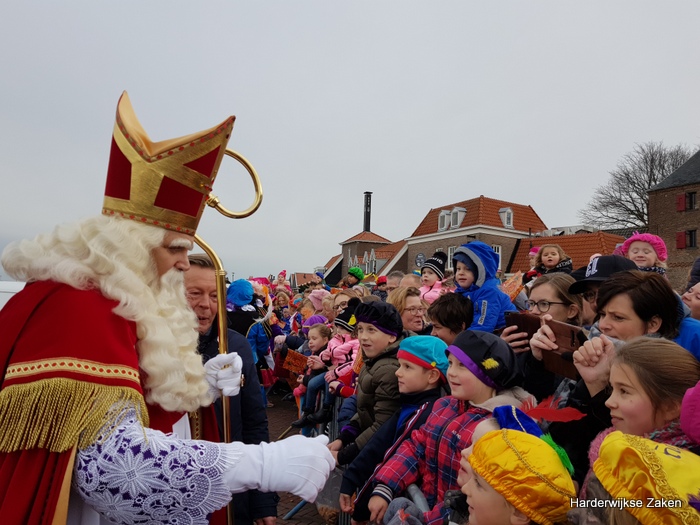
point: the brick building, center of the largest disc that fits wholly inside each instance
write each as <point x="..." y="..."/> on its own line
<point x="674" y="216"/>
<point x="497" y="223"/>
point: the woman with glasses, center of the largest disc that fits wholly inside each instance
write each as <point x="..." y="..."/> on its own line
<point x="341" y="299"/>
<point x="549" y="299"/>
<point x="411" y="308"/>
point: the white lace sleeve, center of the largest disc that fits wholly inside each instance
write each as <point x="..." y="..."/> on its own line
<point x="142" y="476"/>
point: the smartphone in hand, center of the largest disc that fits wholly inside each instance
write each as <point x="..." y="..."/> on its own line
<point x="569" y="338"/>
<point x="526" y="322"/>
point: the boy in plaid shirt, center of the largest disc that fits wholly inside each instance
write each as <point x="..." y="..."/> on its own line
<point x="482" y="374"/>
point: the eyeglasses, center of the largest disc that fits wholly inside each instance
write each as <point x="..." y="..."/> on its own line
<point x="542" y="306"/>
<point x="342" y="305"/>
<point x="590" y="295"/>
<point x="415" y="310"/>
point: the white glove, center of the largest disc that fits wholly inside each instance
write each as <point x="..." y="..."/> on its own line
<point x="298" y="464"/>
<point x="224" y="373"/>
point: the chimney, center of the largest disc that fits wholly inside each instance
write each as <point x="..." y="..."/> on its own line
<point x="368" y="210"/>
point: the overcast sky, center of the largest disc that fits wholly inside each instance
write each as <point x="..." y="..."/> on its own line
<point x="422" y="103"/>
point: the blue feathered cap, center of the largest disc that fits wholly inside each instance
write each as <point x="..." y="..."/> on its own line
<point x="515" y="419"/>
<point x="240" y="292"/>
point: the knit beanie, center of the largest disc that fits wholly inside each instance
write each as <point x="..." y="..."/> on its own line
<point x="384" y="316"/>
<point x="316" y="298"/>
<point x="381" y="280"/>
<point x="465" y="260"/>
<point x="488" y="357"/>
<point x="634" y="468"/>
<point x="426" y="351"/>
<point x="437" y="264"/>
<point x="314" y="319"/>
<point x="357" y="273"/>
<point x="240" y="292"/>
<point x="656" y="242"/>
<point x="527" y="472"/>
<point x="346" y="319"/>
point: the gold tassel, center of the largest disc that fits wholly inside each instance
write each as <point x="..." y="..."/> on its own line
<point x="57" y="413"/>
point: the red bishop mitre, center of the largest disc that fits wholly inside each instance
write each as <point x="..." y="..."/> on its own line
<point x="163" y="183"/>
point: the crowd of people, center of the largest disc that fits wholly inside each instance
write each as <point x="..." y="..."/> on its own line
<point x="435" y="384"/>
<point x="572" y="397"/>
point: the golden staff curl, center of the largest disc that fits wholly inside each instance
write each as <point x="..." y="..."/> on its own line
<point x="220" y="273"/>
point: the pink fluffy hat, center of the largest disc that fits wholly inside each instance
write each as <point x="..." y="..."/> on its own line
<point x="656" y="242"/>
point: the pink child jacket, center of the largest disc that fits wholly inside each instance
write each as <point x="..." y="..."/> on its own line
<point x="341" y="349"/>
<point x="430" y="293"/>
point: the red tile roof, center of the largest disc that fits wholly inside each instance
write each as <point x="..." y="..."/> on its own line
<point x="388" y="251"/>
<point x="303" y="278"/>
<point x="367" y="237"/>
<point x="332" y="261"/>
<point x="484" y="211"/>
<point x="579" y="247"/>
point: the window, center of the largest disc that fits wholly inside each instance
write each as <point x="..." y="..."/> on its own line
<point x="497" y="248"/>
<point x="686" y="201"/>
<point x="687" y="239"/>
<point x="450" y="255"/>
<point x="444" y="220"/>
<point x="506" y="215"/>
<point x="457" y="216"/>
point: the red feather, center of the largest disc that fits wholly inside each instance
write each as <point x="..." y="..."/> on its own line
<point x="547" y="411"/>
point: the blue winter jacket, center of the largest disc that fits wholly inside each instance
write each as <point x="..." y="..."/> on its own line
<point x="490" y="303"/>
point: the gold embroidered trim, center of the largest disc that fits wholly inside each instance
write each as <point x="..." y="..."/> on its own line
<point x="81" y="366"/>
<point x="58" y="413"/>
<point x="665" y="490"/>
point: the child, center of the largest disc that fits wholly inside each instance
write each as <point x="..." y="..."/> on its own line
<point x="649" y="378"/>
<point x="319" y="335"/>
<point x="475" y="266"/>
<point x="316" y="297"/>
<point x="532" y="256"/>
<point x="381" y="289"/>
<point x="431" y="275"/>
<point x="517" y="478"/>
<point x="380" y="331"/>
<point x="421" y="374"/>
<point x="550" y="258"/>
<point x="647" y="251"/>
<point x="450" y="314"/>
<point x="355" y="276"/>
<point x="482" y="375"/>
<point x="341" y="349"/>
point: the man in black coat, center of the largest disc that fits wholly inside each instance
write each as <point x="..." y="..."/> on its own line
<point x="248" y="418"/>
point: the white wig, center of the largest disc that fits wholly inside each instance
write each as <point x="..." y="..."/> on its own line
<point x="115" y="256"/>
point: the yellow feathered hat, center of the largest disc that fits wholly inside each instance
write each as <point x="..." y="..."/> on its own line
<point x="527" y="472"/>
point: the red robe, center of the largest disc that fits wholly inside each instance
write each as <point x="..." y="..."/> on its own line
<point x="67" y="361"/>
